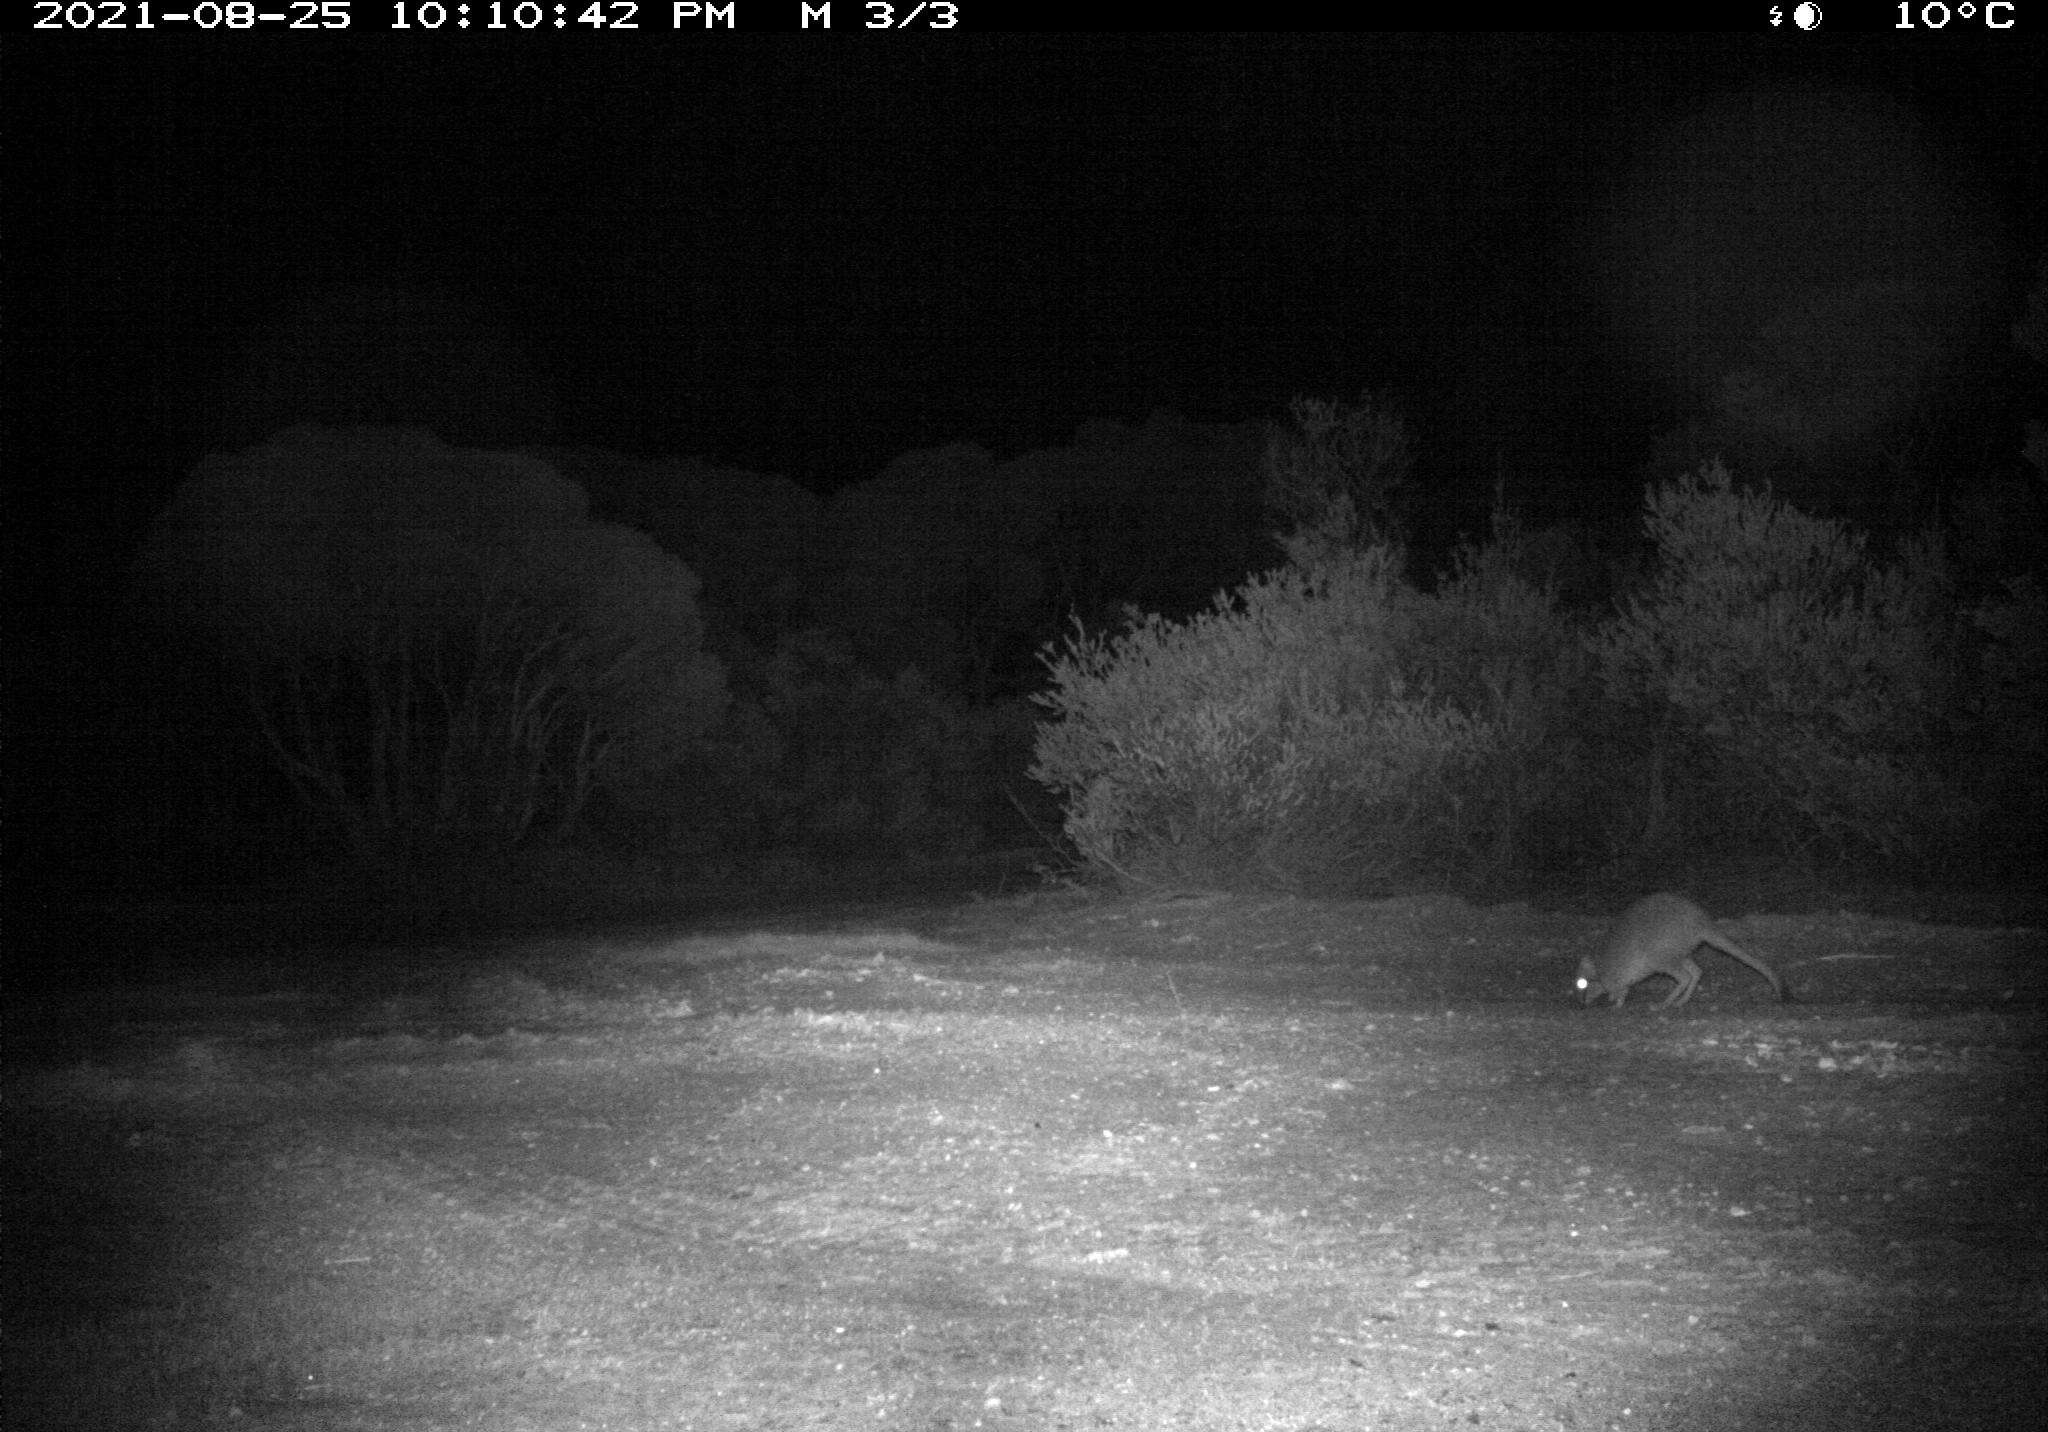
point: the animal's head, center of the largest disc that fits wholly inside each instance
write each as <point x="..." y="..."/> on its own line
<point x="1588" y="982"/>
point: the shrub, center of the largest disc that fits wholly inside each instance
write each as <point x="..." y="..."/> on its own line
<point x="870" y="766"/>
<point x="1491" y="643"/>
<point x="437" y="647"/>
<point x="822" y="756"/>
<point x="1785" y="687"/>
<point x="1336" y="474"/>
<point x="2012" y="708"/>
<point x="1273" y="740"/>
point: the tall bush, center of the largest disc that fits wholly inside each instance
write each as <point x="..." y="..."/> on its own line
<point x="1490" y="642"/>
<point x="2012" y="714"/>
<point x="1272" y="740"/>
<point x="437" y="646"/>
<point x="822" y="760"/>
<point x="1786" y="687"/>
<point x="1336" y="474"/>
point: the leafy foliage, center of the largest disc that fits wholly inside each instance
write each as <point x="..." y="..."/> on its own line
<point x="437" y="646"/>
<point x="870" y="764"/>
<point x="1335" y="475"/>
<point x="2013" y="707"/>
<point x="1275" y="739"/>
<point x="1789" y="684"/>
<point x="819" y="756"/>
<point x="1490" y="641"/>
<point x="1326" y="725"/>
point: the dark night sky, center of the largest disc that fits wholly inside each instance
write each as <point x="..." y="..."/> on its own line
<point x="807" y="255"/>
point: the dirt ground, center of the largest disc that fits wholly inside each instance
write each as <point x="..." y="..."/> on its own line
<point x="1045" y="1163"/>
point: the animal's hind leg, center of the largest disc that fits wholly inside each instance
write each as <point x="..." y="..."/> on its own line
<point x="1682" y="987"/>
